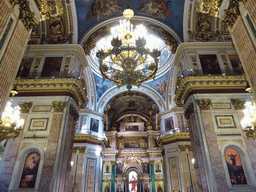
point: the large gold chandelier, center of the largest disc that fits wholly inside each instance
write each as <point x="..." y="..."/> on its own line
<point x="10" y="123"/>
<point x="127" y="61"/>
<point x="249" y="121"/>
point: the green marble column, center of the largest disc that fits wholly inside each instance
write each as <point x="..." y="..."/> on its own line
<point x="163" y="176"/>
<point x="101" y="182"/>
<point x="153" y="176"/>
<point x="113" y="176"/>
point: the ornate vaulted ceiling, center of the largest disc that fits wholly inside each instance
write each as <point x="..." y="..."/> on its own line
<point x="129" y="104"/>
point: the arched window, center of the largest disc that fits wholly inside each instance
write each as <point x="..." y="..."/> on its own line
<point x="133" y="181"/>
<point x="29" y="173"/>
<point x="235" y="167"/>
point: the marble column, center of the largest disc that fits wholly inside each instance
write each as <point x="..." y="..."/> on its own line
<point x="113" y="175"/>
<point x="153" y="183"/>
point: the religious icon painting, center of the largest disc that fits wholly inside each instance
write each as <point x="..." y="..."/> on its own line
<point x="29" y="174"/>
<point x="169" y="124"/>
<point x="94" y="125"/>
<point x="235" y="167"/>
<point x="52" y="67"/>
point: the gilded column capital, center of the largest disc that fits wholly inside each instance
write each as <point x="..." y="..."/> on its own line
<point x="238" y="103"/>
<point x="73" y="112"/>
<point x="25" y="106"/>
<point x="59" y="106"/>
<point x="80" y="149"/>
<point x="204" y="104"/>
<point x="152" y="162"/>
<point x="113" y="163"/>
<point x="189" y="110"/>
<point x="184" y="147"/>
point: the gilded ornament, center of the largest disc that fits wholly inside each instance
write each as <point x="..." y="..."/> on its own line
<point x="26" y="16"/>
<point x="204" y="104"/>
<point x="57" y="32"/>
<point x="59" y="106"/>
<point x="231" y="13"/>
<point x="25" y="107"/>
<point x="203" y="29"/>
<point x="189" y="110"/>
<point x="152" y="162"/>
<point x="143" y="143"/>
<point x="73" y="112"/>
<point x="238" y="103"/>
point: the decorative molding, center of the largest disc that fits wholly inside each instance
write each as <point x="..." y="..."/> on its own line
<point x="60" y="86"/>
<point x="179" y="136"/>
<point x="238" y="103"/>
<point x="59" y="106"/>
<point x="25" y="107"/>
<point x="205" y="84"/>
<point x="88" y="138"/>
<point x="204" y="104"/>
<point x="73" y="112"/>
<point x="189" y="110"/>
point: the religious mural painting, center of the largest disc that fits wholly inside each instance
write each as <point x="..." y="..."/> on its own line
<point x="131" y="128"/>
<point x="160" y="85"/>
<point x="158" y="168"/>
<point x="101" y="86"/>
<point x="131" y="144"/>
<point x="29" y="173"/>
<point x="146" y="188"/>
<point x="169" y="124"/>
<point x="235" y="167"/>
<point x="133" y="181"/>
<point x="52" y="67"/>
<point x="119" y="168"/>
<point x="210" y="64"/>
<point x="94" y="126"/>
<point x="145" y="167"/>
<point x="25" y="67"/>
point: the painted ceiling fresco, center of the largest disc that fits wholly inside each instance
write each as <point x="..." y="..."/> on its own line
<point x="129" y="103"/>
<point x="92" y="12"/>
<point x="160" y="85"/>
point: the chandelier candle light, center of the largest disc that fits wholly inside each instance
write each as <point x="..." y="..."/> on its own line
<point x="10" y="124"/>
<point x="127" y="61"/>
<point x="249" y="121"/>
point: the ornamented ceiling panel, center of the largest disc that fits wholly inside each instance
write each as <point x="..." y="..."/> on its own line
<point x="92" y="12"/>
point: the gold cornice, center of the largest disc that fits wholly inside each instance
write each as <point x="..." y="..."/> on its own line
<point x="88" y="138"/>
<point x="70" y="86"/>
<point x="175" y="137"/>
<point x="204" y="83"/>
